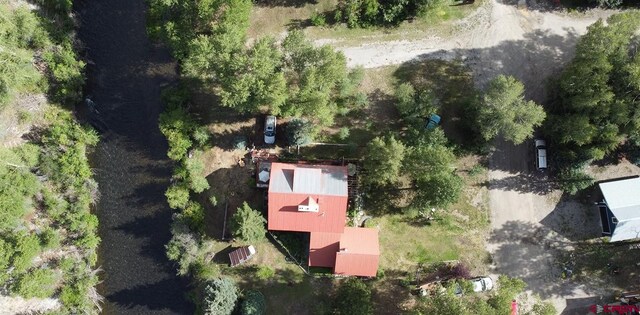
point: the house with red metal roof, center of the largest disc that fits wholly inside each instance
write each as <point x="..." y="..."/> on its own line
<point x="313" y="199"/>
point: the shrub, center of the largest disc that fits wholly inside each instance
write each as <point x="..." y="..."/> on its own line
<point x="194" y="214"/>
<point x="265" y="273"/>
<point x="39" y="283"/>
<point x="26" y="249"/>
<point x="6" y="252"/>
<point x="220" y="297"/>
<point x="205" y="271"/>
<point x="353" y="297"/>
<point x="608" y="3"/>
<point x="177" y="125"/>
<point x="253" y="304"/>
<point x="318" y="19"/>
<point x="201" y="135"/>
<point x="213" y="200"/>
<point x="50" y="238"/>
<point x="343" y="134"/>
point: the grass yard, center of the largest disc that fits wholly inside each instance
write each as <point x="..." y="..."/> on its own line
<point x="455" y="234"/>
<point x="285" y="286"/>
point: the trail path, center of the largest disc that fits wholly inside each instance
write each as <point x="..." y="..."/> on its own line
<point x="528" y="220"/>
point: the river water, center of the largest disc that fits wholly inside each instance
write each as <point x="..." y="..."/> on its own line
<point x="126" y="73"/>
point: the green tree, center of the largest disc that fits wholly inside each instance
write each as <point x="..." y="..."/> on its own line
<point x="248" y="224"/>
<point x="194" y="214"/>
<point x="506" y="113"/>
<point x="315" y="76"/>
<point x="299" y="132"/>
<point x="256" y="82"/>
<point x="353" y="297"/>
<point x="438" y="190"/>
<point x="590" y="118"/>
<point x="195" y="173"/>
<point x="509" y="288"/>
<point x="220" y="296"/>
<point x="573" y="179"/>
<point x="183" y="248"/>
<point x="443" y="303"/>
<point x="177" y="126"/>
<point x="383" y="160"/>
<point x="253" y="304"/>
<point x="177" y="195"/>
<point x="432" y="169"/>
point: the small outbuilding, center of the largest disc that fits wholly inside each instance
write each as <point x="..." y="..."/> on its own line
<point x="242" y="254"/>
<point x="620" y="209"/>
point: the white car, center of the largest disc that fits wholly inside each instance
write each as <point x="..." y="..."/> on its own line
<point x="270" y="130"/>
<point x="541" y="154"/>
<point x="481" y="284"/>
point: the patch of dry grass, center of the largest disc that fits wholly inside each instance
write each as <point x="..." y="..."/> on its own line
<point x="275" y="20"/>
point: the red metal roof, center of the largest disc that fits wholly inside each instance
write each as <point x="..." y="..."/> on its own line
<point x="283" y="214"/>
<point x="359" y="252"/>
<point x="323" y="248"/>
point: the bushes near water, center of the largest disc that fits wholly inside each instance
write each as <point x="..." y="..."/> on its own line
<point x="46" y="185"/>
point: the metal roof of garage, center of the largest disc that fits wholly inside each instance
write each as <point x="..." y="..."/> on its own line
<point x="623" y="199"/>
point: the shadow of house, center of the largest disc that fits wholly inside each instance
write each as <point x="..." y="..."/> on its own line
<point x="573" y="220"/>
<point x="529" y="252"/>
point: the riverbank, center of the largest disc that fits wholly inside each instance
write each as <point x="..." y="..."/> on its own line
<point x="48" y="236"/>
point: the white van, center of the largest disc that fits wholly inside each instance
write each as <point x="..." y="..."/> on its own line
<point x="541" y="154"/>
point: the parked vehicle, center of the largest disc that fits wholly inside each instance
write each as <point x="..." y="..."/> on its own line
<point x="270" y="130"/>
<point x="541" y="154"/>
<point x="481" y="284"/>
<point x="434" y="121"/>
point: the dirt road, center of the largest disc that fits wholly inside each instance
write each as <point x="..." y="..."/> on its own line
<point x="530" y="222"/>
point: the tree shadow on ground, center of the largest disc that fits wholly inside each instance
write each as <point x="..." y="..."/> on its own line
<point x="563" y="5"/>
<point x="231" y="187"/>
<point x="523" y="183"/>
<point x="573" y="220"/>
<point x="389" y="294"/>
<point x="536" y="254"/>
<point x="385" y="115"/>
<point x="289" y="291"/>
